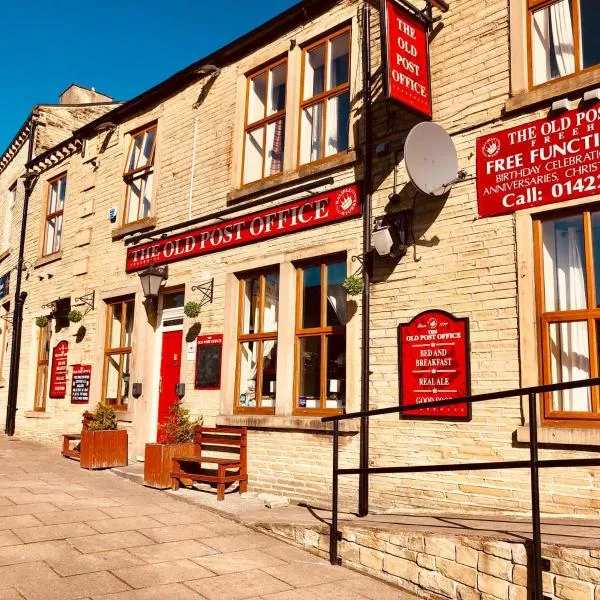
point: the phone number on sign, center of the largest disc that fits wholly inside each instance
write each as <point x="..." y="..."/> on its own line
<point x="584" y="184"/>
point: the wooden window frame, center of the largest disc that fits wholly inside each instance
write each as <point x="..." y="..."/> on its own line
<point x="259" y="337"/>
<point x="323" y="97"/>
<point x="265" y="121"/>
<point x="591" y="315"/>
<point x="5" y="311"/>
<point x="323" y="332"/>
<point x="535" y="5"/>
<point x="54" y="215"/>
<point x="121" y="351"/>
<point x="42" y="367"/>
<point x="143" y="172"/>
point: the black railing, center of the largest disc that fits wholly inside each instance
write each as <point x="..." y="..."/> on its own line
<point x="534" y="464"/>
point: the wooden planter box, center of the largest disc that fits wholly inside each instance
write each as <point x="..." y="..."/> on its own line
<point x="103" y="449"/>
<point x="158" y="460"/>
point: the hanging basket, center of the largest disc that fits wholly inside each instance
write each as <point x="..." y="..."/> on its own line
<point x="191" y="309"/>
<point x="41" y="321"/>
<point x="75" y="316"/>
<point x="354" y="285"/>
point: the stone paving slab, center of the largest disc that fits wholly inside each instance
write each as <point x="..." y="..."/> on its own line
<point x="70" y="534"/>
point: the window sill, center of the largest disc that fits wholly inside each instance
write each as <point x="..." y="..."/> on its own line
<point x="290" y="423"/>
<point x="277" y="181"/>
<point x="561" y="436"/>
<point x="141" y="225"/>
<point x="46" y="260"/>
<point x="552" y="90"/>
<point x="36" y="414"/>
<point x="4" y="255"/>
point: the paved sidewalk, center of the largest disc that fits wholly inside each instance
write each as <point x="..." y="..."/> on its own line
<point x="66" y="533"/>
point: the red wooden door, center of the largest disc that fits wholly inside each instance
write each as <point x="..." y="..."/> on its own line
<point x="170" y="366"/>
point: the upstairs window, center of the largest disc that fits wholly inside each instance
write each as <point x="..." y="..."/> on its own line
<point x="139" y="175"/>
<point x="264" y="132"/>
<point x="57" y="191"/>
<point x="563" y="38"/>
<point x="325" y="100"/>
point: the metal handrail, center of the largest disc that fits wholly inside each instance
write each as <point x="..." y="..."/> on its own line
<point x="534" y="464"/>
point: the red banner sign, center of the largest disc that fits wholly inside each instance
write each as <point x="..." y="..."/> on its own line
<point x="58" y="375"/>
<point x="80" y="386"/>
<point x="434" y="364"/>
<point x="540" y="162"/>
<point x="294" y="216"/>
<point x="406" y="49"/>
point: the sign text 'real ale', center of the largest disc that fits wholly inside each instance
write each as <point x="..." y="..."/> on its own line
<point x="540" y="162"/>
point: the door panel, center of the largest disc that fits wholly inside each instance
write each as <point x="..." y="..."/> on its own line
<point x="170" y="367"/>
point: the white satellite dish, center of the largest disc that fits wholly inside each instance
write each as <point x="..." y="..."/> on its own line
<point x="430" y="158"/>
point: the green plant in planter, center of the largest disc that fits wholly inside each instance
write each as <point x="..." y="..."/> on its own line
<point x="179" y="426"/>
<point x="75" y="316"/>
<point x="104" y="419"/>
<point x="354" y="285"/>
<point x="41" y="321"/>
<point x="191" y="309"/>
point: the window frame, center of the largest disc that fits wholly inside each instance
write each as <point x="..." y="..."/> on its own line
<point x="4" y="311"/>
<point x="266" y="120"/>
<point x="54" y="215"/>
<point x="325" y="95"/>
<point x="42" y="367"/>
<point x="532" y="6"/>
<point x="121" y="351"/>
<point x="260" y="337"/>
<point x="144" y="172"/>
<point x="544" y="319"/>
<point x="323" y="332"/>
<point x="11" y="201"/>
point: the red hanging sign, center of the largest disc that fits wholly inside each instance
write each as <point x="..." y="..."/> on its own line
<point x="58" y="375"/>
<point x="80" y="385"/>
<point x="322" y="209"/>
<point x="434" y="364"/>
<point x="540" y="162"/>
<point x="406" y="58"/>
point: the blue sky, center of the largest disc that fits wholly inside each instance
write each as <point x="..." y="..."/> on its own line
<point x="120" y="47"/>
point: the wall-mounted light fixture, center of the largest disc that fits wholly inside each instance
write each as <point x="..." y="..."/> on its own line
<point x="151" y="280"/>
<point x="392" y="234"/>
<point x="560" y="105"/>
<point x="592" y="95"/>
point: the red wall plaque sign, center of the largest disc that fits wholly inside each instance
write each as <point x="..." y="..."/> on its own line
<point x="58" y="375"/>
<point x="434" y="364"/>
<point x="406" y="51"/>
<point x="80" y="385"/>
<point x="325" y="208"/>
<point x="540" y="162"/>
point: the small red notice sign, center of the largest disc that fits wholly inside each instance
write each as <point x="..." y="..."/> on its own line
<point x="58" y="375"/>
<point x="406" y="51"/>
<point x="434" y="364"/>
<point x="541" y="162"/>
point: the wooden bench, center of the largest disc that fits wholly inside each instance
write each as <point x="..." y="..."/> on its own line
<point x="68" y="438"/>
<point x="215" y="439"/>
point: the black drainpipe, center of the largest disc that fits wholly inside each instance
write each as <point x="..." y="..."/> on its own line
<point x="363" y="482"/>
<point x="17" y="323"/>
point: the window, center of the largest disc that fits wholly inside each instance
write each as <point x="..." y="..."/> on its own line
<point x="568" y="294"/>
<point x="139" y="175"/>
<point x="4" y="322"/>
<point x="8" y="217"/>
<point x="563" y="38"/>
<point x="325" y="101"/>
<point x="257" y="342"/>
<point x="321" y="315"/>
<point x="57" y="191"/>
<point x="41" y="377"/>
<point x="264" y="132"/>
<point x="117" y="353"/>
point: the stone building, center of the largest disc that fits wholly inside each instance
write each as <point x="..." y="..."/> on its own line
<point x="245" y="173"/>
